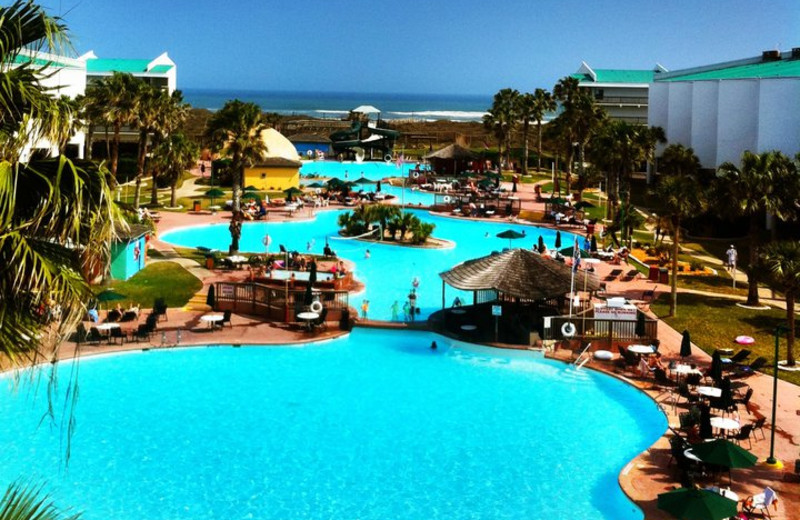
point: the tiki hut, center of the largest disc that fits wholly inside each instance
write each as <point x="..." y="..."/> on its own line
<point x="517" y="274"/>
<point x="451" y="160"/>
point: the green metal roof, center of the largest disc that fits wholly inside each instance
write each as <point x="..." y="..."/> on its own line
<point x="770" y="69"/>
<point x="617" y="76"/>
<point x="118" y="65"/>
<point x="39" y="62"/>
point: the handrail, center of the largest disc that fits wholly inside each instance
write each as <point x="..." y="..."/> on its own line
<point x="581" y="355"/>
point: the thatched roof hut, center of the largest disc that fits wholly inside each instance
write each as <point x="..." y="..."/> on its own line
<point x="518" y="273"/>
<point x="451" y="159"/>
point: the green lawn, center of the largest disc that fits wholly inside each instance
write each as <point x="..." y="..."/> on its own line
<point x="166" y="280"/>
<point x="715" y="322"/>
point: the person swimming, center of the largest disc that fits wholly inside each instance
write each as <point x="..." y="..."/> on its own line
<point x="434" y="346"/>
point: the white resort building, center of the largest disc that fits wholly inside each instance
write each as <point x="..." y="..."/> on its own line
<point x="70" y="76"/>
<point x="723" y="109"/>
<point x="622" y="92"/>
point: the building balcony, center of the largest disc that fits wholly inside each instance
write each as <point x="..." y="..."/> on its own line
<point x="622" y="100"/>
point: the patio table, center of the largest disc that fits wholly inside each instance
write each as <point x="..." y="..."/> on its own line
<point x="642" y="349"/>
<point x="709" y="391"/>
<point x="211" y="319"/>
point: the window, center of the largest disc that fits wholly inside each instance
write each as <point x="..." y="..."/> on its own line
<point x="598" y="93"/>
<point x="263" y="175"/>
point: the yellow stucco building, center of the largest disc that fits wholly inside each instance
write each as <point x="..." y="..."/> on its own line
<point x="279" y="169"/>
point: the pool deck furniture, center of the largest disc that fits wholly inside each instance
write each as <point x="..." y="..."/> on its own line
<point x="211" y="319"/>
<point x="642" y="349"/>
<point x="308" y="318"/>
<point x="724" y="424"/>
<point x="709" y="391"/>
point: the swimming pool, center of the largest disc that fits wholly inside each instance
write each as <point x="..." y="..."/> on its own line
<point x="350" y="170"/>
<point x="389" y="271"/>
<point x="372" y="426"/>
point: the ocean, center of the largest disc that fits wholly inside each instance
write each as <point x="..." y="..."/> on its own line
<point x="335" y="105"/>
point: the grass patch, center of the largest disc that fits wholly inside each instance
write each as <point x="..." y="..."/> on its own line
<point x="715" y="322"/>
<point x="166" y="280"/>
<point x="717" y="284"/>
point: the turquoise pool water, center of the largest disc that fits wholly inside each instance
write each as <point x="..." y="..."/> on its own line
<point x="349" y="170"/>
<point x="371" y="426"/>
<point x="390" y="270"/>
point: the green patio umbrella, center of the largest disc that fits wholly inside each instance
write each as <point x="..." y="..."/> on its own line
<point x="363" y="181"/>
<point x="583" y="204"/>
<point x="568" y="252"/>
<point x="696" y="504"/>
<point x="315" y="184"/>
<point x="510" y="234"/>
<point x="723" y="452"/>
<point x="109" y="295"/>
<point x="556" y="200"/>
<point x="291" y="192"/>
<point x="250" y="188"/>
<point x="492" y="175"/>
<point x="485" y="183"/>
<point x="214" y="193"/>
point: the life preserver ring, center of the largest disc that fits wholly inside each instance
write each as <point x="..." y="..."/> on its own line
<point x="309" y="153"/>
<point x="267" y="240"/>
<point x="317" y="190"/>
<point x="568" y="329"/>
<point x="745" y="340"/>
<point x="387" y="158"/>
<point x="446" y="199"/>
<point x="415" y="175"/>
<point x="316" y="307"/>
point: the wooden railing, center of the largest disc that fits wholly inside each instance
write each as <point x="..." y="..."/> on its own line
<point x="274" y="303"/>
<point x="609" y="332"/>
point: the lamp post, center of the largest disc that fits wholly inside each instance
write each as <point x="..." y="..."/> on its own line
<point x="772" y="462"/>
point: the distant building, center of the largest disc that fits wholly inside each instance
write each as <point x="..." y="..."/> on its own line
<point x="279" y="169"/>
<point x="723" y="109"/>
<point x="308" y="145"/>
<point x="623" y="93"/>
<point x="160" y="72"/>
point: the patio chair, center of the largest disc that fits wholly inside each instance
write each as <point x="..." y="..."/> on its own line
<point x="740" y="356"/>
<point x="113" y="315"/>
<point x="160" y="309"/>
<point x="744" y="400"/>
<point x="761" y="502"/>
<point x="142" y="333"/>
<point x="80" y="333"/>
<point x="116" y="333"/>
<point x="226" y="318"/>
<point x="321" y="322"/>
<point x="677" y="445"/>
<point x="685" y="393"/>
<point x="759" y="425"/>
<point x="744" y="433"/>
<point x="94" y="336"/>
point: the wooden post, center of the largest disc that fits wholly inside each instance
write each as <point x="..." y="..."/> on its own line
<point x="443" y="297"/>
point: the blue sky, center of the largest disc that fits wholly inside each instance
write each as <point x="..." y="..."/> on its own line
<point x="422" y="46"/>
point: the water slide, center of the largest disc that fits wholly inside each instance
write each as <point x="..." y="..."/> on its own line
<point x="380" y="141"/>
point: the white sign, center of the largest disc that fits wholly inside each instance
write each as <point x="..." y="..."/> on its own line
<point x="226" y="291"/>
<point x="623" y="313"/>
<point x="497" y="310"/>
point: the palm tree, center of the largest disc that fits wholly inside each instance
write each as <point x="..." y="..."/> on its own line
<point x="172" y="157"/>
<point x="170" y="115"/>
<point x="145" y="120"/>
<point x="543" y="102"/>
<point x="681" y="197"/>
<point x="501" y="118"/>
<point x="782" y="261"/>
<point x="766" y="183"/>
<point x="92" y="112"/>
<point x="59" y="124"/>
<point x="526" y="111"/>
<point x="587" y="119"/>
<point x="236" y="130"/>
<point x="31" y="503"/>
<point x="119" y="91"/>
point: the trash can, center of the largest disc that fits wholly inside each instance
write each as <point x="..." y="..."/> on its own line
<point x="652" y="275"/>
<point x="663" y="275"/>
<point x="209" y="261"/>
<point x="196" y="205"/>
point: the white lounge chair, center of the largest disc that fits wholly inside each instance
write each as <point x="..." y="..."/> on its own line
<point x="761" y="502"/>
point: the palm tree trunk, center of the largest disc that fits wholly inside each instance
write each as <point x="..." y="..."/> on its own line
<point x="525" y="130"/>
<point x="140" y="166"/>
<point x="790" y="320"/>
<point x="115" y="150"/>
<point x="108" y="144"/>
<point x="238" y="174"/>
<point x="154" y="189"/>
<point x="752" y="278"/>
<point x="173" y="198"/>
<point x="539" y="146"/>
<point x="673" y="301"/>
<point x="87" y="151"/>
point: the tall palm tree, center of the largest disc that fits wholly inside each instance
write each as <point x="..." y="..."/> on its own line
<point x="170" y="115"/>
<point x="60" y="123"/>
<point x="765" y="183"/>
<point x="145" y="120"/>
<point x="501" y="119"/>
<point x="119" y="91"/>
<point x="681" y="196"/>
<point x="782" y="262"/>
<point x="587" y="118"/>
<point x="174" y="156"/>
<point x="543" y="102"/>
<point x="526" y="111"/>
<point x="92" y="112"/>
<point x="236" y="131"/>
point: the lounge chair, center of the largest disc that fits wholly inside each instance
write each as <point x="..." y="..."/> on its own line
<point x="613" y="275"/>
<point x="740" y="356"/>
<point x="749" y="370"/>
<point x="630" y="275"/>
<point x="761" y="502"/>
<point x="113" y="315"/>
<point x="94" y="336"/>
<point x="142" y="333"/>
